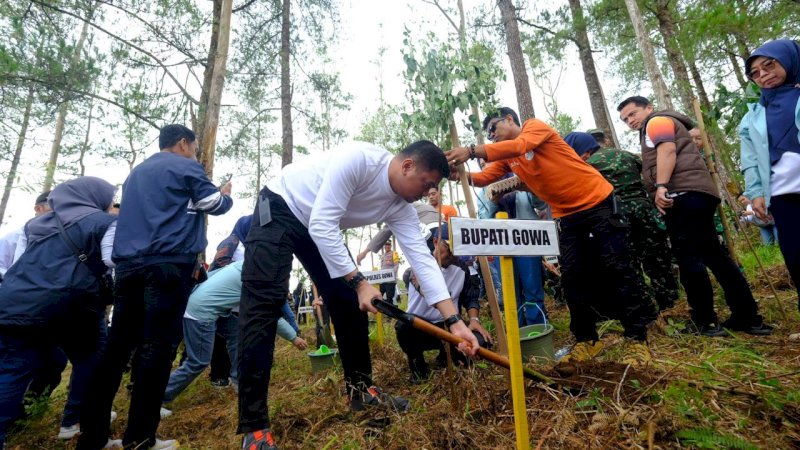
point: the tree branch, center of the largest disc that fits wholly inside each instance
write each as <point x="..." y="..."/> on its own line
<point x="244" y="6"/>
<point x="132" y="45"/>
<point x="447" y="16"/>
<point x="153" y="29"/>
<point x="548" y="31"/>
<point x="91" y="95"/>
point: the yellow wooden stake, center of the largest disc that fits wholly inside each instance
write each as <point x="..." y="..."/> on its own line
<point x="379" y="322"/>
<point x="514" y="352"/>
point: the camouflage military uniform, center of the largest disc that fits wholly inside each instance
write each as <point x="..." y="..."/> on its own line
<point x="648" y="231"/>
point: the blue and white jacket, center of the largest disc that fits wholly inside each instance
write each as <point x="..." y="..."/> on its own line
<point x="756" y="165"/>
<point x="161" y="215"/>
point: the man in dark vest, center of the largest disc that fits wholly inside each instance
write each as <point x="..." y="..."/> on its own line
<point x="679" y="183"/>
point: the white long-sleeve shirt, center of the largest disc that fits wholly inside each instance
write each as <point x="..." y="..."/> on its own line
<point x="8" y="249"/>
<point x="454" y="277"/>
<point x="348" y="187"/>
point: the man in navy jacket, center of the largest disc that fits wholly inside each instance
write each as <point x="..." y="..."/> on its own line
<point x="159" y="235"/>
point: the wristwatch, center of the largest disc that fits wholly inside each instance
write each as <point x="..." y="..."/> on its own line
<point x="658" y="185"/>
<point x="452" y="320"/>
<point x="353" y="283"/>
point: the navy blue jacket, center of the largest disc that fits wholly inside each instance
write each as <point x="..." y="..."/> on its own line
<point x="49" y="282"/>
<point x="161" y="215"/>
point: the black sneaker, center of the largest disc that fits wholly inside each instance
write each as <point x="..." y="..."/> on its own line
<point x="710" y="330"/>
<point x="259" y="440"/>
<point x="376" y="397"/>
<point x="761" y="329"/>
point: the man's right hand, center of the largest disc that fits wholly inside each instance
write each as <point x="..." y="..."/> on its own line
<point x="226" y="188"/>
<point x="360" y="257"/>
<point x="366" y="293"/>
<point x="300" y="343"/>
<point x="662" y="201"/>
<point x="760" y="208"/>
<point x="470" y="347"/>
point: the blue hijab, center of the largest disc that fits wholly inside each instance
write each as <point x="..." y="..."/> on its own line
<point x="581" y="142"/>
<point x="72" y="200"/>
<point x="242" y="227"/>
<point x="780" y="102"/>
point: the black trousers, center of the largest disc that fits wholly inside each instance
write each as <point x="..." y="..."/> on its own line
<point x="149" y="303"/>
<point x="388" y="290"/>
<point x="220" y="367"/>
<point x="414" y="343"/>
<point x="587" y="239"/>
<point x="690" y="224"/>
<point x="48" y="376"/>
<point x="785" y="210"/>
<point x="265" y="282"/>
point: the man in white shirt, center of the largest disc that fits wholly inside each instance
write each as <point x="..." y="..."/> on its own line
<point x="10" y="250"/>
<point x="354" y="185"/>
<point x="414" y="342"/>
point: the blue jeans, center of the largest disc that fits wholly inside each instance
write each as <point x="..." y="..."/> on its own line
<point x="769" y="234"/>
<point x="79" y="380"/>
<point x="19" y="358"/>
<point x="494" y="269"/>
<point x="288" y="315"/>
<point x="24" y="350"/>
<point x="198" y="337"/>
<point x="530" y="290"/>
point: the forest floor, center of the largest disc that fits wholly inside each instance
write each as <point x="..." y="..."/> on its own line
<point x="739" y="391"/>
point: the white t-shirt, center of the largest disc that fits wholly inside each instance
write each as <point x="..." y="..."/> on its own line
<point x="8" y="249"/>
<point x="454" y="277"/>
<point x="786" y="175"/>
<point x="348" y="187"/>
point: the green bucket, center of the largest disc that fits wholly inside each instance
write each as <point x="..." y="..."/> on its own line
<point x="323" y="359"/>
<point x="536" y="341"/>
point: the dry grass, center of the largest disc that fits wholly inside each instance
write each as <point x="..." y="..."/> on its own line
<point x="735" y="392"/>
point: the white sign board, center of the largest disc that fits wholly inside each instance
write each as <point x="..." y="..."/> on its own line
<point x="380" y="276"/>
<point x="503" y="237"/>
<point x="305" y="310"/>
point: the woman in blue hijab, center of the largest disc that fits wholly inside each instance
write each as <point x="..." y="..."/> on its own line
<point x="770" y="134"/>
<point x="52" y="297"/>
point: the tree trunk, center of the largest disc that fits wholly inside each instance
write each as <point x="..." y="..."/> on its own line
<point x="55" y="148"/>
<point x="85" y="145"/>
<point x="12" y="172"/>
<point x="602" y="117"/>
<point x="258" y="159"/>
<point x="287" y="139"/>
<point x="650" y="63"/>
<point x="666" y="25"/>
<point x="517" y="59"/>
<point x="698" y="84"/>
<point x="737" y="68"/>
<point x="208" y="75"/>
<point x="211" y="122"/>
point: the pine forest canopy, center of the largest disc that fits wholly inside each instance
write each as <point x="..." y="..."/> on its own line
<point x="85" y="84"/>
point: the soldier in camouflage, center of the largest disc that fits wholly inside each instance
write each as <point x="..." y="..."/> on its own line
<point x="648" y="231"/>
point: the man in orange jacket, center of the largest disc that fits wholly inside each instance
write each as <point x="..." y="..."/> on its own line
<point x="590" y="229"/>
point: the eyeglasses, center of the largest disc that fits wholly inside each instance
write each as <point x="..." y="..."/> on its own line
<point x="492" y="129"/>
<point x="767" y="66"/>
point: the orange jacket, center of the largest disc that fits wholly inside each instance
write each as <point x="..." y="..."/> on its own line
<point x="548" y="166"/>
<point x="449" y="211"/>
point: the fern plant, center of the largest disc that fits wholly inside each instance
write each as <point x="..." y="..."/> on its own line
<point x="706" y="438"/>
